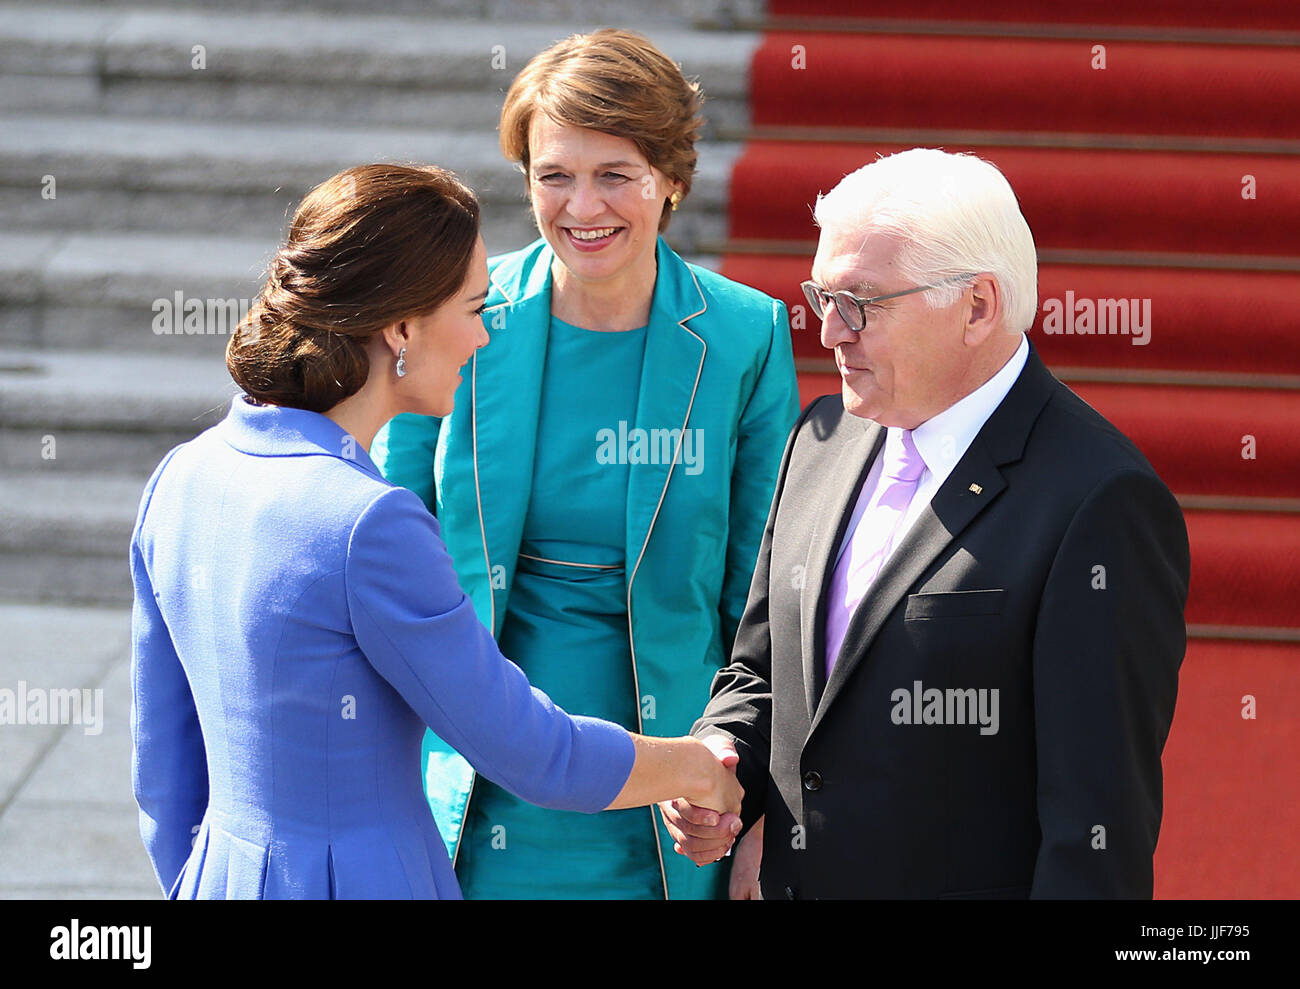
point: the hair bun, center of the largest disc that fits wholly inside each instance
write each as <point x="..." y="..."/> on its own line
<point x="367" y="248"/>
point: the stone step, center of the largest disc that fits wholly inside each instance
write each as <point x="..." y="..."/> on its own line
<point x="105" y="290"/>
<point x="80" y="434"/>
<point x="64" y="536"/>
<point x="439" y="71"/>
<point x="183" y="176"/>
<point x="69" y="514"/>
<point x="131" y="291"/>
<point x="78" y="412"/>
<point x="707" y="13"/>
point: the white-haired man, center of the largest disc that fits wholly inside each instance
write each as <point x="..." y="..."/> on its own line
<point x="957" y="667"/>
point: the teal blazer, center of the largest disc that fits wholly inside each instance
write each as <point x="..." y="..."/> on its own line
<point x="717" y="359"/>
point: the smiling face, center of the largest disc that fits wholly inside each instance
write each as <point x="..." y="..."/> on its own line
<point x="910" y="362"/>
<point x="596" y="200"/>
<point x="443" y="341"/>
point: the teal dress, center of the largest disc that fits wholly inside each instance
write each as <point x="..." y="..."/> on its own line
<point x="566" y="627"/>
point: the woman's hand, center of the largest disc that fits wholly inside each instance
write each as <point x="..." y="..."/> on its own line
<point x="701" y="773"/>
<point x="721" y="790"/>
<point x="700" y="832"/>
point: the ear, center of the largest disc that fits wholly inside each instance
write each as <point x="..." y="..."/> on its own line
<point x="676" y="187"/>
<point x="984" y="310"/>
<point x="396" y="336"/>
<point x="664" y="181"/>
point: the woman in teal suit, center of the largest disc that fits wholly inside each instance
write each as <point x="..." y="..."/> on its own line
<point x="604" y="480"/>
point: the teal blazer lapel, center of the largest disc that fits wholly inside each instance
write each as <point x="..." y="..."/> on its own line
<point x="505" y="405"/>
<point x="670" y="378"/>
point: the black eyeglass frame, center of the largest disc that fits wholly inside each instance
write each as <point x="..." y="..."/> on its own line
<point x="817" y="296"/>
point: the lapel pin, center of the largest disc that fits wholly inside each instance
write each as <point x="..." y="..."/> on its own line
<point x="976" y="488"/>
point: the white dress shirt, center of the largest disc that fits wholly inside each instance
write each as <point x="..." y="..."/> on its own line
<point x="942" y="440"/>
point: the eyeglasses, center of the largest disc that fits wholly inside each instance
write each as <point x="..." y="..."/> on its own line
<point x="852" y="309"/>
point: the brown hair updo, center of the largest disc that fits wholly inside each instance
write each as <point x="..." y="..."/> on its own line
<point x="615" y="82"/>
<point x="372" y="246"/>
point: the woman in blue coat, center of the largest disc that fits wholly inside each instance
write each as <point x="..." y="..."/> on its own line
<point x="605" y="478"/>
<point x="297" y="622"/>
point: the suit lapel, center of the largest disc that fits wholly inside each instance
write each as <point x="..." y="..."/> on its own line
<point x="506" y="395"/>
<point x="830" y="521"/>
<point x="670" y="377"/>
<point x="972" y="486"/>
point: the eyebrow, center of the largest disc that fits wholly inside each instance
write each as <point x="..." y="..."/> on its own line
<point x="864" y="289"/>
<point x="546" y="166"/>
<point x="481" y="295"/>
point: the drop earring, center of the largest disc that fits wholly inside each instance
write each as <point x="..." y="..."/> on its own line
<point x="401" y="363"/>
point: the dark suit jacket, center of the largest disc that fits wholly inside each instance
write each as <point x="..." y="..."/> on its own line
<point x="1060" y="584"/>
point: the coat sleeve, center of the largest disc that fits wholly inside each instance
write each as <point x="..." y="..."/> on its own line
<point x="740" y="698"/>
<point x="420" y="633"/>
<point x="1108" y="644"/>
<point x="403" y="450"/>
<point x="169" y="770"/>
<point x="763" y="429"/>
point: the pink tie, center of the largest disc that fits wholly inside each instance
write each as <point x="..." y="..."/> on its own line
<point x="869" y="547"/>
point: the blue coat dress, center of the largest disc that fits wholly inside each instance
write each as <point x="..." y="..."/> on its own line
<point x="297" y="625"/>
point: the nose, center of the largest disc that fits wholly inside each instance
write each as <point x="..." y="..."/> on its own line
<point x="835" y="331"/>
<point x="586" y="204"/>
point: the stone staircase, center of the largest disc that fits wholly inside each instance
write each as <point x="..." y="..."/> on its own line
<point x="149" y="157"/>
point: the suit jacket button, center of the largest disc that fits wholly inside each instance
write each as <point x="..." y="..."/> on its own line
<point x="812" y="780"/>
<point x="789" y="893"/>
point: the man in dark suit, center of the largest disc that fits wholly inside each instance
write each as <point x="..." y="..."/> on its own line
<point x="957" y="666"/>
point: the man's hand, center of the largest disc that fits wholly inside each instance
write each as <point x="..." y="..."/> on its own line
<point x="745" y="865"/>
<point x="703" y="835"/>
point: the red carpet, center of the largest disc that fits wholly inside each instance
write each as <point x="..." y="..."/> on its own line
<point x="1259" y="14"/>
<point x="1193" y="438"/>
<point x="1005" y="84"/>
<point x="1131" y="178"/>
<point x="1232" y="809"/>
<point x="1244" y="569"/>
<point x="1073" y="199"/>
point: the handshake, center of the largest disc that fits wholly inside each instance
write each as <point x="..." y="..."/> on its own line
<point x="704" y="828"/>
<point x="694" y="783"/>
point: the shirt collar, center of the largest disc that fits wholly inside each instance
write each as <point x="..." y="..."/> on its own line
<point x="280" y="431"/>
<point x="943" y="439"/>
